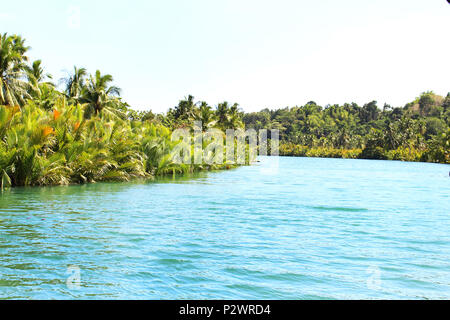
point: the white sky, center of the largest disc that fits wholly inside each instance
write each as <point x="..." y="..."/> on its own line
<point x="258" y="53"/>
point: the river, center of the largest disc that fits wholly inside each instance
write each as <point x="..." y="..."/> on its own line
<point x="284" y="228"/>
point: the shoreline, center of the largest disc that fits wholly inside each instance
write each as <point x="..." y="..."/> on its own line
<point x="400" y="154"/>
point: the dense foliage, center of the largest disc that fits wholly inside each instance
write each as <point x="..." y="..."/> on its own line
<point x="84" y="132"/>
<point x="418" y="131"/>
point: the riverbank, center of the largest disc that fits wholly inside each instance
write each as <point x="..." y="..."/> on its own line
<point x="378" y="153"/>
<point x="62" y="147"/>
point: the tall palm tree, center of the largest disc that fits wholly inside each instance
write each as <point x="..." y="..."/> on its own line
<point x="13" y="88"/>
<point x="235" y="117"/>
<point x="36" y="73"/>
<point x="36" y="77"/>
<point x="206" y="115"/>
<point x="74" y="83"/>
<point x="185" y="109"/>
<point x="229" y="117"/>
<point x="222" y="114"/>
<point x="98" y="94"/>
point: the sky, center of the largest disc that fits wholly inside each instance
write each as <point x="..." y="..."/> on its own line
<point x="258" y="53"/>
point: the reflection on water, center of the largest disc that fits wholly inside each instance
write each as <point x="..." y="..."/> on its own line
<point x="313" y="228"/>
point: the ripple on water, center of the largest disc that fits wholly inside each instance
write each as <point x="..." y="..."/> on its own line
<point x="312" y="229"/>
<point x="345" y="209"/>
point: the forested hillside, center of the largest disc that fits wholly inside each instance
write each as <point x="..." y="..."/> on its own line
<point x="419" y="131"/>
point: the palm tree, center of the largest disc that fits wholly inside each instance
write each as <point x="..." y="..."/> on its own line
<point x="185" y="109"/>
<point x="222" y="114"/>
<point x="235" y="117"/>
<point x="36" y="77"/>
<point x="13" y="89"/>
<point x="98" y="94"/>
<point x="229" y="117"/>
<point x="74" y="83"/>
<point x="35" y="73"/>
<point x="206" y="115"/>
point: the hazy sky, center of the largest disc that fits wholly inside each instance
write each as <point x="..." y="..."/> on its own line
<point x="255" y="52"/>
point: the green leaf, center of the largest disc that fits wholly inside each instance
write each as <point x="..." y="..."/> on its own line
<point x="5" y="182"/>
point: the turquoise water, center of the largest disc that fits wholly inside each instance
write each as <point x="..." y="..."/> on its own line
<point x="302" y="228"/>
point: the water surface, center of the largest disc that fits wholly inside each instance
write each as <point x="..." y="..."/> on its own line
<point x="286" y="228"/>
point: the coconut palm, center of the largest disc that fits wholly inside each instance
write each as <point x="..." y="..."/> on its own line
<point x="74" y="83"/>
<point x="206" y="115"/>
<point x="41" y="91"/>
<point x="235" y="117"/>
<point x="185" y="110"/>
<point x="229" y="117"/>
<point x="99" y="94"/>
<point x="13" y="88"/>
<point x="35" y="72"/>
<point x="222" y="114"/>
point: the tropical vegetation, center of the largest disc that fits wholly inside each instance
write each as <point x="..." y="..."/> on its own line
<point x="419" y="131"/>
<point x="85" y="132"/>
<point x="81" y="130"/>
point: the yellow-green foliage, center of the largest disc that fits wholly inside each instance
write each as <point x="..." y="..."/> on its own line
<point x="290" y="149"/>
<point x="60" y="146"/>
<point x="438" y="152"/>
<point x="404" y="154"/>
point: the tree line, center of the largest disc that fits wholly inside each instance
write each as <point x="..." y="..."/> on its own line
<point x="419" y="131"/>
<point x="80" y="130"/>
<point x="85" y="132"/>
